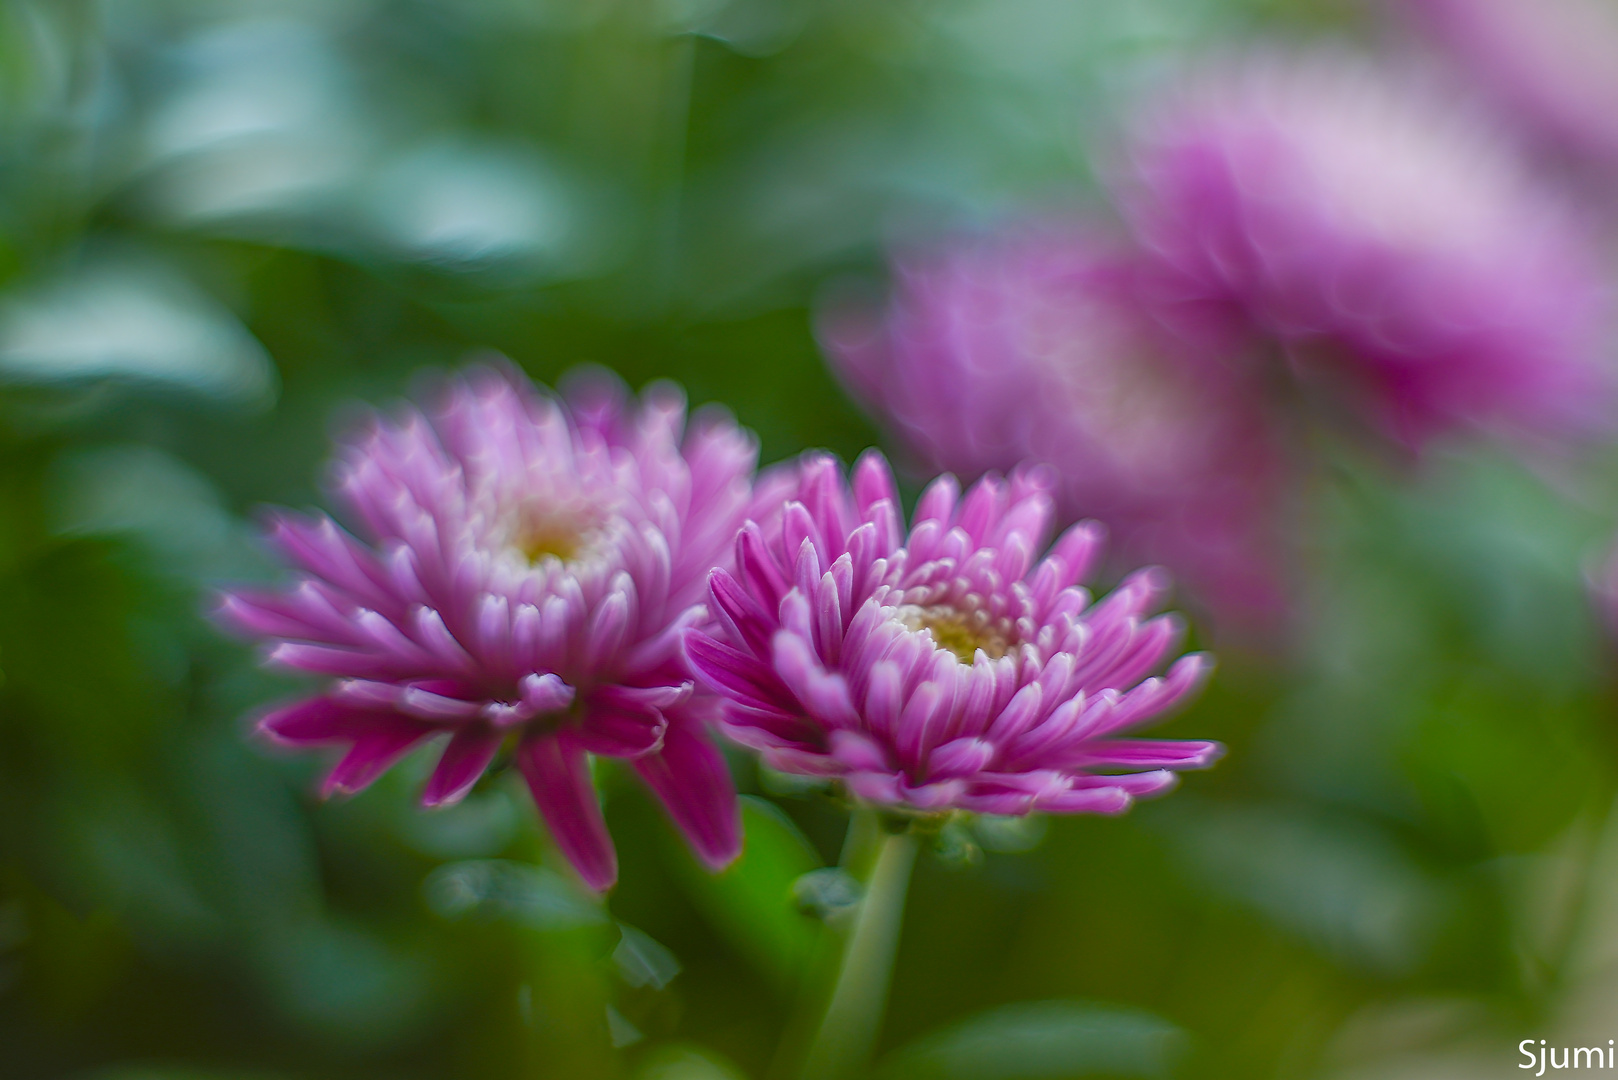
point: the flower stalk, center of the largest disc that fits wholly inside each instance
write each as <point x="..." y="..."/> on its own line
<point x="853" y="1015"/>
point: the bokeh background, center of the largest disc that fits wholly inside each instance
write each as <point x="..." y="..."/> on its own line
<point x="225" y="223"/>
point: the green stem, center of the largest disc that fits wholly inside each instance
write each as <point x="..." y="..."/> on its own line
<point x="853" y="1017"/>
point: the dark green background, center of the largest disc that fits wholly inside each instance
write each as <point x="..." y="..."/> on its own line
<point x="1405" y="864"/>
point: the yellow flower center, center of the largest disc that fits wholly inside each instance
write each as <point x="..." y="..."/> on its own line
<point x="549" y="539"/>
<point x="551" y="532"/>
<point x="962" y="633"/>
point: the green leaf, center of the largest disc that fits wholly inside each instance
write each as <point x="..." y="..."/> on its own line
<point x="133" y="318"/>
<point x="174" y="1072"/>
<point x="682" y="1062"/>
<point x="500" y="889"/>
<point x="1043" y="1040"/>
<point x="1341" y="882"/>
<point x="139" y="491"/>
<point x="752" y="902"/>
<point x="643" y="961"/>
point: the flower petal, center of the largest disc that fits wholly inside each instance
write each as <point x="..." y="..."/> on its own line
<point x="371" y="756"/>
<point x="545" y="693"/>
<point x="875" y="787"/>
<point x="463" y="762"/>
<point x="857" y="752"/>
<point x="872" y="481"/>
<point x="736" y="674"/>
<point x="1105" y="800"/>
<point x="618" y="727"/>
<point x="801" y="762"/>
<point x="1151" y="754"/>
<point x="691" y="778"/>
<point x="559" y="778"/>
<point x="320" y="720"/>
<point x="960" y="757"/>
<point x="744" y="616"/>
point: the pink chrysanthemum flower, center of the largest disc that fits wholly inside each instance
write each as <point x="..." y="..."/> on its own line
<point x="1033" y="345"/>
<point x="1399" y="250"/>
<point x="943" y="669"/>
<point x="528" y="567"/>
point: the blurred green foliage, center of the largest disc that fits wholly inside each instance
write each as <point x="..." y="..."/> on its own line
<point x="224" y="222"/>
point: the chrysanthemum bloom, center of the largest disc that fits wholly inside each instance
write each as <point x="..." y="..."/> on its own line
<point x="943" y="669"/>
<point x="528" y="567"/>
<point x="1552" y="62"/>
<point x="1401" y="253"/>
<point x="1033" y="345"/>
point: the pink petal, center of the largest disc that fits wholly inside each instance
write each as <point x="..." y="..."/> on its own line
<point x="1058" y="731"/>
<point x="824" y="496"/>
<point x="1075" y="551"/>
<point x="327" y="552"/>
<point x="426" y="705"/>
<point x="960" y="757"/>
<point x="801" y="762"/>
<point x="1137" y="785"/>
<point x="923" y="716"/>
<point x="545" y="693"/>
<point x="758" y="732"/>
<point x="824" y="695"/>
<point x="463" y="761"/>
<point x="655" y="697"/>
<point x="559" y="778"/>
<point x="854" y="751"/>
<point x="1107" y="800"/>
<point x="735" y="674"/>
<point x="937" y="503"/>
<point x="1151" y="754"/>
<point x="1018" y="715"/>
<point x="884" y="697"/>
<point x="617" y="727"/>
<point x="320" y="720"/>
<point x="691" y="778"/>
<point x="1004" y="803"/>
<point x="371" y="755"/>
<point x="875" y="787"/>
<point x="494" y="632"/>
<point x="305" y="614"/>
<point x="982" y="508"/>
<point x="746" y="619"/>
<point x="1152" y="641"/>
<point x="872" y="481"/>
<point x="1153" y="697"/>
<point x="440" y="643"/>
<point x="757" y="569"/>
<point x="608" y="626"/>
<point x="327" y="660"/>
<point x="933" y="796"/>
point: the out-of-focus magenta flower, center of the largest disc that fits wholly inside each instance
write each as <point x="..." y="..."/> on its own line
<point x="943" y="669"/>
<point x="1552" y="62"/>
<point x="1400" y="251"/>
<point x="1033" y="345"/>
<point x="528" y="567"/>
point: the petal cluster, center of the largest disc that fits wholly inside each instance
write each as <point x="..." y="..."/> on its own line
<point x="524" y="568"/>
<point x="942" y="668"/>
<point x="1035" y="345"/>
<point x="1402" y="253"/>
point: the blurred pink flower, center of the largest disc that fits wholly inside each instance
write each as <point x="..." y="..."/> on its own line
<point x="1552" y="62"/>
<point x="1033" y="346"/>
<point x="943" y="670"/>
<point x="1402" y="254"/>
<point x="528" y="567"/>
